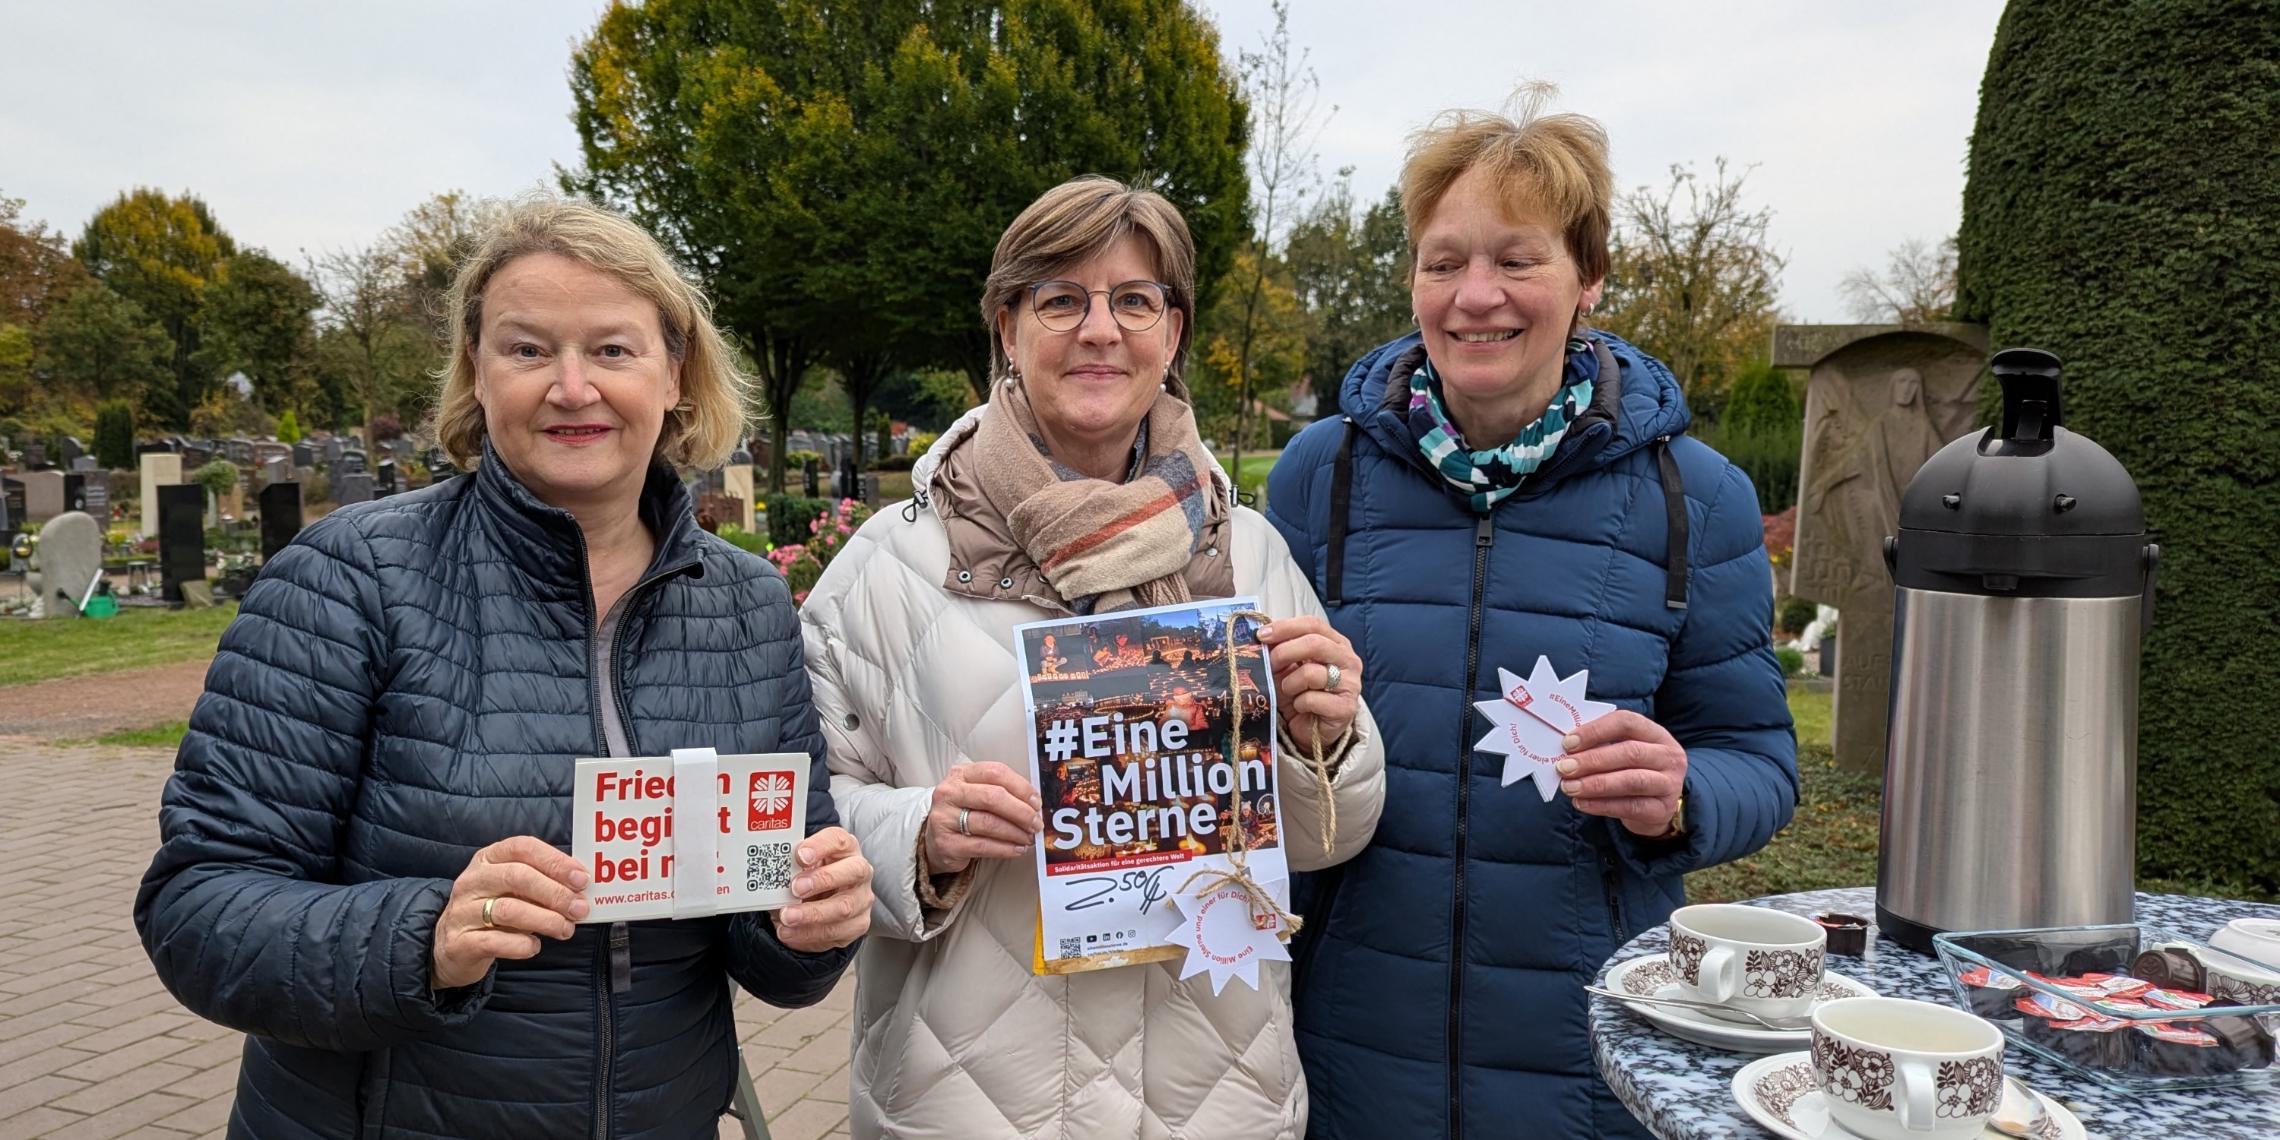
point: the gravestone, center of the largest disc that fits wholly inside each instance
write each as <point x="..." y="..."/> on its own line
<point x="811" y="478"/>
<point x="355" y="487"/>
<point x="403" y="451"/>
<point x="332" y="451"/>
<point x="737" y="482"/>
<point x="69" y="451"/>
<point x="280" y="516"/>
<point x="181" y="537"/>
<point x="267" y="450"/>
<point x="95" y="495"/>
<point x="1879" y="401"/>
<point x="238" y="450"/>
<point x="43" y="495"/>
<point x="159" y="469"/>
<point x="11" y="507"/>
<point x="304" y="455"/>
<point x="196" y="455"/>
<point x="351" y="461"/>
<point x="384" y="481"/>
<point x="84" y="464"/>
<point x="439" y="464"/>
<point x="35" y="454"/>
<point x="740" y="458"/>
<point x="279" y="469"/>
<point x="71" y="558"/>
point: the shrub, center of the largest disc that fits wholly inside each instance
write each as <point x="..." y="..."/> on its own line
<point x="1767" y="453"/>
<point x="1792" y="660"/>
<point x="2183" y="213"/>
<point x="895" y="463"/>
<point x="1794" y="615"/>
<point x="828" y="532"/>
<point x="789" y="516"/>
<point x="289" y="427"/>
<point x="115" y="435"/>
<point x="750" y="541"/>
<point x="385" y="426"/>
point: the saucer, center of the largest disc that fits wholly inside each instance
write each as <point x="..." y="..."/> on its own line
<point x="1654" y="977"/>
<point x="1781" y="1093"/>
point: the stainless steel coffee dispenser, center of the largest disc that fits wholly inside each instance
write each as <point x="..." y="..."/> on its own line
<point x="2024" y="583"/>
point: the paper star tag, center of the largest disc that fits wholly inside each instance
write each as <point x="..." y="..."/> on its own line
<point x="1532" y="717"/>
<point x="1224" y="937"/>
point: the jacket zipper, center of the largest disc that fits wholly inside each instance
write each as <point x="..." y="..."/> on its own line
<point x="1484" y="536"/>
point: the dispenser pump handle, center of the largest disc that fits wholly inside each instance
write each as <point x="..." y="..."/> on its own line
<point x="2029" y="377"/>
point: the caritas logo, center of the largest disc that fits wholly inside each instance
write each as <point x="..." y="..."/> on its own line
<point x="771" y="807"/>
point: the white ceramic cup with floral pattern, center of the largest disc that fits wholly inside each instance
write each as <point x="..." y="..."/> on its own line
<point x="1894" y="1069"/>
<point x="1748" y="958"/>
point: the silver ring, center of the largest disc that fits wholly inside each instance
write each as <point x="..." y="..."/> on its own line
<point x="1336" y="675"/>
<point x="963" y="813"/>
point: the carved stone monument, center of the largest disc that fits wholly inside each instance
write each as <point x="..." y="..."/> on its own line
<point x="737" y="481"/>
<point x="1880" y="400"/>
<point x="71" y="555"/>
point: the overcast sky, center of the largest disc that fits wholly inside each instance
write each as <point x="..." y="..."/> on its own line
<point x="309" y="126"/>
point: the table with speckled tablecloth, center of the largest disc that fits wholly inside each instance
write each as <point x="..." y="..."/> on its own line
<point x="1684" y="1091"/>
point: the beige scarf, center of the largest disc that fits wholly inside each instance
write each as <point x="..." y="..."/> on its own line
<point x="1120" y="545"/>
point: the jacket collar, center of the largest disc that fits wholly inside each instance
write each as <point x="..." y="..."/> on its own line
<point x="1632" y="405"/>
<point x="548" y="542"/>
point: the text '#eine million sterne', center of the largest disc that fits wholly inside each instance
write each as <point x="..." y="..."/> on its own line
<point x="1132" y="771"/>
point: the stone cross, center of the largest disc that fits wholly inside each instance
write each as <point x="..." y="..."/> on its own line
<point x="1879" y="401"/>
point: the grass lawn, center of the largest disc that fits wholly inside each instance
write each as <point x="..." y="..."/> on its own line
<point x="41" y="650"/>
<point x="168" y="735"/>
<point x="1252" y="479"/>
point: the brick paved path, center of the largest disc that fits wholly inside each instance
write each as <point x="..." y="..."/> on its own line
<point x="92" y="1046"/>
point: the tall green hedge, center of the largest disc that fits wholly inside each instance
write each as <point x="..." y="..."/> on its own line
<point x="2123" y="211"/>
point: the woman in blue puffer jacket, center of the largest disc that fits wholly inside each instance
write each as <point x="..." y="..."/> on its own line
<point x="1508" y="483"/>
<point x="361" y="858"/>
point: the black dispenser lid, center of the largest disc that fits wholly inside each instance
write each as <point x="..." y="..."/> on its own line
<point x="2028" y="509"/>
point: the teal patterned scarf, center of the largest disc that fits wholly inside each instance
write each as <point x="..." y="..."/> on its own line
<point x="1486" y="477"/>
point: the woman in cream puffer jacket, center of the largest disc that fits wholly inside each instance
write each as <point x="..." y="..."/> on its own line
<point x="913" y="670"/>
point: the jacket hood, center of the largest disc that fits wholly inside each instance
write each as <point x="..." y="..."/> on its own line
<point x="1643" y="405"/>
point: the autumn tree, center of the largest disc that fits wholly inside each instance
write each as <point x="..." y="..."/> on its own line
<point x="161" y="253"/>
<point x="1347" y="268"/>
<point x="1693" y="279"/>
<point x="838" y="173"/>
<point x="1915" y="287"/>
<point x="36" y="268"/>
<point x="368" y="350"/>
<point x="428" y="245"/>
<point x="1234" y="372"/>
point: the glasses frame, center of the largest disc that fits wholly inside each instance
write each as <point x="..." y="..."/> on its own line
<point x="1109" y="292"/>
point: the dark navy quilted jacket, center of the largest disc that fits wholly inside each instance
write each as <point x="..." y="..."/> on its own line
<point x="406" y="683"/>
<point x="1440" y="972"/>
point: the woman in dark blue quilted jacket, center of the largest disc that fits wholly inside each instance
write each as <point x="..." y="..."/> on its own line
<point x="361" y="861"/>
<point x="1508" y="484"/>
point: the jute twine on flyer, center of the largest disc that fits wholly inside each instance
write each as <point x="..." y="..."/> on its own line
<point x="1238" y="872"/>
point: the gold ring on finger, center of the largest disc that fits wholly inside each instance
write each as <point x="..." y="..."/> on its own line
<point x="490" y="918"/>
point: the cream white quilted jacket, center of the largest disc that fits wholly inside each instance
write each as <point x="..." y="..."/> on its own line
<point x="954" y="1037"/>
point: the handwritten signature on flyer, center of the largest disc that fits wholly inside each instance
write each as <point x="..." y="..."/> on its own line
<point x="1104" y="889"/>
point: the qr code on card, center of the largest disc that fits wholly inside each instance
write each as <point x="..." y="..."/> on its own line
<point x="1072" y="948"/>
<point x="768" y="867"/>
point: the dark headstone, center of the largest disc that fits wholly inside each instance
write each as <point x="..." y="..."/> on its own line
<point x="354" y="487"/>
<point x="11" y="506"/>
<point x="351" y="462"/>
<point x="280" y="517"/>
<point x="97" y="493"/>
<point x="332" y="451"/>
<point x="238" y="451"/>
<point x="68" y="451"/>
<point x="194" y="456"/>
<point x="181" y="537"/>
<point x="811" y="475"/>
<point x="384" y="481"/>
<point x="75" y="492"/>
<point x="304" y="455"/>
<point x="35" y="455"/>
<point x="740" y="457"/>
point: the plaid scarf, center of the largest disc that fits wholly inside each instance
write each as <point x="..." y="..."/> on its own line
<point x="1103" y="546"/>
<point x="1484" y="478"/>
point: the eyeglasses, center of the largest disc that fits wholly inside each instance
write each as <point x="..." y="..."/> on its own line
<point x="1061" y="306"/>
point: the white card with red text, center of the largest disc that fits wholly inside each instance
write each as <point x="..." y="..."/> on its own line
<point x="1530" y="719"/>
<point x="748" y="812"/>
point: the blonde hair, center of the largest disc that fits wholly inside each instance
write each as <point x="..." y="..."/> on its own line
<point x="1076" y="221"/>
<point x="701" y="431"/>
<point x="1553" y="166"/>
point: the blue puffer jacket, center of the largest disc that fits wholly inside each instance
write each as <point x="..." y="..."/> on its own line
<point x="409" y="682"/>
<point x="1440" y="972"/>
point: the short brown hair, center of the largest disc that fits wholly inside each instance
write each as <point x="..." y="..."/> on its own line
<point x="711" y="417"/>
<point x="1075" y="221"/>
<point x="1549" y="165"/>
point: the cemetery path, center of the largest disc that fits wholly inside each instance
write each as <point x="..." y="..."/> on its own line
<point x="83" y="708"/>
<point x="92" y="1045"/>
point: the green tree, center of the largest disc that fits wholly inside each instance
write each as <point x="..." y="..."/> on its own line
<point x="428" y="245"/>
<point x="97" y="345"/>
<point x="1262" y="301"/>
<point x="1693" y="279"/>
<point x="838" y="173"/>
<point x="289" y="427"/>
<point x="2139" y="239"/>
<point x="161" y="253"/>
<point x="115" y="435"/>
<point x="1347" y="269"/>
<point x="258" y="321"/>
<point x="16" y="356"/>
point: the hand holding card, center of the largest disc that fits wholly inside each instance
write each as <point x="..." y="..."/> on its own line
<point x="1533" y="717"/>
<point x="1626" y="767"/>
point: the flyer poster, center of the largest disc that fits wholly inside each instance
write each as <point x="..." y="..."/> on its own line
<point x="737" y="827"/>
<point x="1132" y="751"/>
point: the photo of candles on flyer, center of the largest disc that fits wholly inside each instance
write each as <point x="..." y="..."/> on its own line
<point x="1132" y="751"/>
